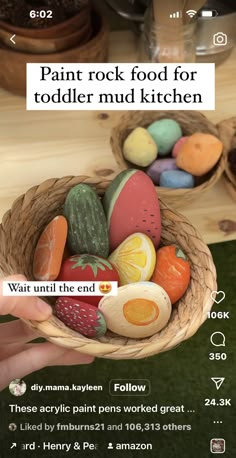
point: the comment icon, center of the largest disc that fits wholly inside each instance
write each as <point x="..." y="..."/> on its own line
<point x="218" y="339"/>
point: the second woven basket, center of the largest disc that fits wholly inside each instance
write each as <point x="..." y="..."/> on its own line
<point x="227" y="130"/>
<point x="190" y="122"/>
<point x="20" y="230"/>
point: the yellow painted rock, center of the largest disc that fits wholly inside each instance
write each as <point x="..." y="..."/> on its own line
<point x="140" y="148"/>
<point x="134" y="259"/>
<point x="139" y="310"/>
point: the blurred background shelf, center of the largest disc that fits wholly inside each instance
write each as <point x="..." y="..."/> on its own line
<point x="35" y="146"/>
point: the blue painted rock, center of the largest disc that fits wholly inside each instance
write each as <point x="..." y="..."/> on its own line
<point x="87" y="225"/>
<point x="139" y="310"/>
<point x="139" y="147"/>
<point x="178" y="146"/>
<point x="131" y="205"/>
<point x="176" y="179"/>
<point x="81" y="317"/>
<point x="155" y="170"/>
<point x="165" y="133"/>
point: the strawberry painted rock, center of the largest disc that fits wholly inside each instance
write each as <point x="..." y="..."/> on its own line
<point x="81" y="317"/>
<point x="131" y="205"/>
<point x="50" y="249"/>
<point x="86" y="267"/>
<point x="87" y="226"/>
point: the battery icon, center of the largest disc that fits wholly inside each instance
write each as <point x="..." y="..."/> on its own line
<point x="209" y="13"/>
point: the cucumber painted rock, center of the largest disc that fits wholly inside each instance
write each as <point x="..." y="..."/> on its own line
<point x="131" y="205"/>
<point x="87" y="225"/>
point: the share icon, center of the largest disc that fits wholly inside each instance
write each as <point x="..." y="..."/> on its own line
<point x="218" y="381"/>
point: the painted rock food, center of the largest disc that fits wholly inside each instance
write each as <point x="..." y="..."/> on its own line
<point x="139" y="310"/>
<point x="80" y="316"/>
<point x="88" y="268"/>
<point x="140" y="148"/>
<point x="165" y="133"/>
<point x="134" y="259"/>
<point x="172" y="272"/>
<point x="199" y="153"/>
<point x="177" y="179"/>
<point x="87" y="226"/>
<point x="131" y="206"/>
<point x="50" y="249"/>
<point x="158" y="167"/>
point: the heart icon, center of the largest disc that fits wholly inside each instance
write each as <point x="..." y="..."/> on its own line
<point x="217" y="296"/>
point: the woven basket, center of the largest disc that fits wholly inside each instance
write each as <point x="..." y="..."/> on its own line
<point x="227" y="131"/>
<point x="190" y="121"/>
<point x="20" y="230"/>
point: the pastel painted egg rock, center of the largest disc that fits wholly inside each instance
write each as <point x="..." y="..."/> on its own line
<point x="87" y="267"/>
<point x="87" y="226"/>
<point x="178" y="145"/>
<point x="139" y="310"/>
<point x="176" y="179"/>
<point x="50" y="249"/>
<point x="139" y="147"/>
<point x="155" y="170"/>
<point x="165" y="133"/>
<point x="134" y="259"/>
<point x="131" y="206"/>
<point x="80" y="316"/>
<point x="199" y="153"/>
<point x="172" y="271"/>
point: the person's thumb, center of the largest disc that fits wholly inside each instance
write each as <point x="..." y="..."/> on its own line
<point x="25" y="307"/>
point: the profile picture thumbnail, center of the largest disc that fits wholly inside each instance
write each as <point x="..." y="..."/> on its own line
<point x="17" y="387"/>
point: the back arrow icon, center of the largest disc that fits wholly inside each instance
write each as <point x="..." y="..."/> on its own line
<point x="12" y="39"/>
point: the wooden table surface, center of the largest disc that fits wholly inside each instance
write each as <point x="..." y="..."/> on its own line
<point x="35" y="146"/>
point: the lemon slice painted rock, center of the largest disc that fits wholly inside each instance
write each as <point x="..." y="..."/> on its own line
<point x="139" y="310"/>
<point x="134" y="259"/>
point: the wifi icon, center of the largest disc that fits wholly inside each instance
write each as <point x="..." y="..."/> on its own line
<point x="191" y="13"/>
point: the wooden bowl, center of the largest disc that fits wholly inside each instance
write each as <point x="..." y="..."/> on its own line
<point x="48" y="45"/>
<point x="64" y="28"/>
<point x="13" y="64"/>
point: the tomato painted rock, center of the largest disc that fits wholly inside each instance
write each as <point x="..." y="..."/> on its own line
<point x="199" y="153"/>
<point x="172" y="271"/>
<point x="86" y="267"/>
<point x="87" y="226"/>
<point x="80" y="316"/>
<point x="50" y="249"/>
<point x="139" y="310"/>
<point x="131" y="205"/>
<point x="178" y="146"/>
<point x="134" y="259"/>
<point x="139" y="147"/>
<point x="165" y="133"/>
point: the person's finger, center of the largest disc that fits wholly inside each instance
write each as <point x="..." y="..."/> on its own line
<point x="25" y="307"/>
<point x="31" y="360"/>
<point x="16" y="332"/>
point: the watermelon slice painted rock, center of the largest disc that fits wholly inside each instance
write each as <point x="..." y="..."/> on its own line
<point x="88" y="268"/>
<point x="87" y="226"/>
<point x="81" y="317"/>
<point x="131" y="205"/>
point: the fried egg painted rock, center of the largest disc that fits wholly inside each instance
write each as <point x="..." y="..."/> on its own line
<point x="139" y="310"/>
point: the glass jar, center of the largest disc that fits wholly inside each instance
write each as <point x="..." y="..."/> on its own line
<point x="167" y="43"/>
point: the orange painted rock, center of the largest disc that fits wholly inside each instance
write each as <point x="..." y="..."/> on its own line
<point x="50" y="249"/>
<point x="199" y="153"/>
<point x="172" y="272"/>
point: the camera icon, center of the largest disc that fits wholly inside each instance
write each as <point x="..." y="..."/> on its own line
<point x="220" y="39"/>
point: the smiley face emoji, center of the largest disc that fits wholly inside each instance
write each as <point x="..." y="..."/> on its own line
<point x="105" y="287"/>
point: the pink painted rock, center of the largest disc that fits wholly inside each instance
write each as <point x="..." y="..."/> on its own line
<point x="178" y="146"/>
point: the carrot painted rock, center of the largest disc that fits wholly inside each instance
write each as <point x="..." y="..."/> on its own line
<point x="139" y="310"/>
<point x="81" y="317"/>
<point x="87" y="226"/>
<point x="134" y="259"/>
<point x="172" y="272"/>
<point x="199" y="153"/>
<point x="86" y="267"/>
<point x="50" y="249"/>
<point x="131" y="205"/>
